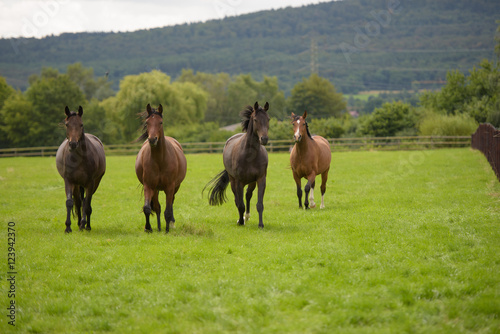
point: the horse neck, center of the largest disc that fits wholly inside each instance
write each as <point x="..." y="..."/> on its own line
<point x="163" y="147"/>
<point x="251" y="138"/>
<point x="305" y="144"/>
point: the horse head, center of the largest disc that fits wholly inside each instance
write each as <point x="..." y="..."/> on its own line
<point x="300" y="128"/>
<point x="74" y="127"/>
<point x="260" y="120"/>
<point x="154" y="124"/>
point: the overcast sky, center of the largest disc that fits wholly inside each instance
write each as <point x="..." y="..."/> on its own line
<point x="39" y="18"/>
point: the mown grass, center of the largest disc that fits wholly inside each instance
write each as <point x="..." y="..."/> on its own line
<point x="409" y="242"/>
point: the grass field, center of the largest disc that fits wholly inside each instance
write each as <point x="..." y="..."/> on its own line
<point x="409" y="242"/>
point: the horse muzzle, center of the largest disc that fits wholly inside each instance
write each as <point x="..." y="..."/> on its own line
<point x="153" y="141"/>
<point x="297" y="138"/>
<point x="73" y="145"/>
<point x="264" y="140"/>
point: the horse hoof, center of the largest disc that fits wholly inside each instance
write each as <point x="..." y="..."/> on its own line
<point x="240" y="223"/>
<point x="88" y="228"/>
<point x="148" y="230"/>
<point x="312" y="206"/>
<point x="68" y="230"/>
<point x="261" y="226"/>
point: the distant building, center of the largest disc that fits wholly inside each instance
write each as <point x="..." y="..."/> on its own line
<point x="354" y="113"/>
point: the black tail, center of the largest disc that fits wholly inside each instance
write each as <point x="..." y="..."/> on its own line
<point x="218" y="185"/>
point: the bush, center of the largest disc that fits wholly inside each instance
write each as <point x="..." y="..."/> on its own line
<point x="447" y="125"/>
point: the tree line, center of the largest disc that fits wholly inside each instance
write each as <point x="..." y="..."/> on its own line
<point x="195" y="105"/>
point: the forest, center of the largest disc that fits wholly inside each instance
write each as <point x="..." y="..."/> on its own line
<point x="357" y="45"/>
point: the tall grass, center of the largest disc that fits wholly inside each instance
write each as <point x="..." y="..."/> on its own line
<point x="408" y="242"/>
<point x="447" y="125"/>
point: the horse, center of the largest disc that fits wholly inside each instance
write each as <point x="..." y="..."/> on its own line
<point x="160" y="166"/>
<point x="245" y="163"/>
<point x="81" y="162"/>
<point x="310" y="156"/>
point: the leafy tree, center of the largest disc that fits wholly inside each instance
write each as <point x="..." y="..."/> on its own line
<point x="183" y="102"/>
<point x="92" y="88"/>
<point x="48" y="95"/>
<point x="16" y="122"/>
<point x="447" y="125"/>
<point x="216" y="86"/>
<point x="390" y="119"/>
<point x="244" y="90"/>
<point x="477" y="95"/>
<point x="5" y="92"/>
<point x="316" y="95"/>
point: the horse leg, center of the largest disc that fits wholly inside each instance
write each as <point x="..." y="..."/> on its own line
<point x="87" y="210"/>
<point x="155" y="205"/>
<point x="169" y="208"/>
<point x="250" y="190"/>
<point x="148" y="194"/>
<point x="78" y="195"/>
<point x="324" y="178"/>
<point x="237" y="189"/>
<point x="307" y="188"/>
<point x="299" y="188"/>
<point x="260" y="199"/>
<point x="69" y="204"/>
<point x="311" y="196"/>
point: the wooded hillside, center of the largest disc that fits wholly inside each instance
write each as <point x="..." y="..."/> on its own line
<point x="356" y="44"/>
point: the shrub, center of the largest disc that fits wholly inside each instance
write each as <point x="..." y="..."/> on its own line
<point x="447" y="125"/>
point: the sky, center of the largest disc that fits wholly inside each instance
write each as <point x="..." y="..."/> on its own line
<point x="39" y="18"/>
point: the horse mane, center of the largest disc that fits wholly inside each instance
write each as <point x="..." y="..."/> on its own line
<point x="296" y="118"/>
<point x="245" y="115"/>
<point x="144" y="115"/>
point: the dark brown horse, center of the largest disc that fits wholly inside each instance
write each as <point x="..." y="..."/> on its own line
<point x="245" y="162"/>
<point x="160" y="166"/>
<point x="310" y="156"/>
<point x="81" y="162"/>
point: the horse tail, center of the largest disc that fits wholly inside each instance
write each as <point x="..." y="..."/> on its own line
<point x="218" y="185"/>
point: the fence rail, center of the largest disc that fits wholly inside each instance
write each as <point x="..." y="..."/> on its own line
<point x="487" y="140"/>
<point x="337" y="144"/>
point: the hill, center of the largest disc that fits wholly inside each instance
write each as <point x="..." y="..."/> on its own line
<point x="356" y="44"/>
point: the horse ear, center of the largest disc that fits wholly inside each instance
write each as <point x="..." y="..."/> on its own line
<point x="80" y="111"/>
<point x="292" y="117"/>
<point x="148" y="109"/>
<point x="266" y="106"/>
<point x="256" y="106"/>
<point x="305" y="114"/>
<point x="160" y="109"/>
<point x="66" y="111"/>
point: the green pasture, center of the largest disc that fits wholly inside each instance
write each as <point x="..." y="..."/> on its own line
<point x="409" y="242"/>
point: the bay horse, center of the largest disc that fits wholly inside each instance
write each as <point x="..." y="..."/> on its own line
<point x="160" y="166"/>
<point x="81" y="162"/>
<point x="245" y="162"/>
<point x="310" y="156"/>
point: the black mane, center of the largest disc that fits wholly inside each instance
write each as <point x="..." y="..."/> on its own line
<point x="144" y="116"/>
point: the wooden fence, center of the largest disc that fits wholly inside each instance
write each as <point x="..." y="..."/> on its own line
<point x="337" y="144"/>
<point x="487" y="140"/>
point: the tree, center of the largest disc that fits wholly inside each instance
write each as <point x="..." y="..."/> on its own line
<point x="244" y="90"/>
<point x="390" y="119"/>
<point x="92" y="88"/>
<point x="183" y="102"/>
<point x="5" y="92"/>
<point x="48" y="95"/>
<point x="316" y="95"/>
<point x="477" y="95"/>
<point x="15" y="121"/>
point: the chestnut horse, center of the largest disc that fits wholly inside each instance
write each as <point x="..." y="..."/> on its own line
<point x="310" y="156"/>
<point x="160" y="165"/>
<point x="245" y="162"/>
<point x="81" y="162"/>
